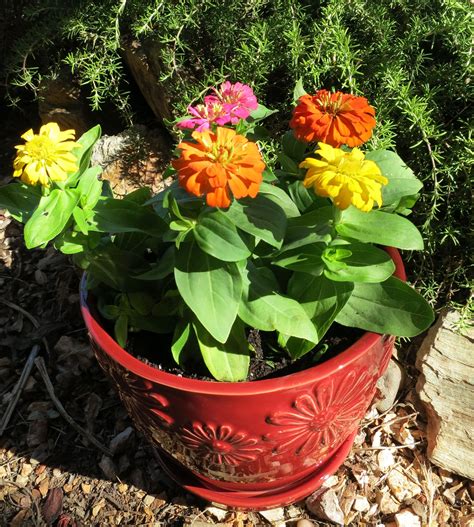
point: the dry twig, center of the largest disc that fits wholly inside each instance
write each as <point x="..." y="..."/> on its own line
<point x="4" y="482"/>
<point x="29" y="316"/>
<point x="19" y="388"/>
<point x="49" y="387"/>
<point x="394" y="447"/>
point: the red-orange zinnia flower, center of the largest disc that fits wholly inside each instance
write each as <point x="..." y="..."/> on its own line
<point x="333" y="118"/>
<point x="218" y="164"/>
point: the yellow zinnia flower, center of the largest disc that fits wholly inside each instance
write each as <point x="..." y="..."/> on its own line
<point x="345" y="177"/>
<point x="46" y="156"/>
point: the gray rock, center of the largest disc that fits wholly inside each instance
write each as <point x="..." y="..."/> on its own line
<point x="446" y="388"/>
<point x="388" y="386"/>
<point x="326" y="506"/>
<point x="121" y="441"/>
<point x="108" y="149"/>
<point x="108" y="467"/>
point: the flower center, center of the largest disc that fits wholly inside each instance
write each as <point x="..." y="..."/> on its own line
<point x="349" y="167"/>
<point x="221" y="153"/>
<point x="320" y="421"/>
<point x="40" y="148"/>
<point x="330" y="105"/>
<point x="221" y="447"/>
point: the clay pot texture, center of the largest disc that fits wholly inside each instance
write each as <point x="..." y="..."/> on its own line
<point x="250" y="438"/>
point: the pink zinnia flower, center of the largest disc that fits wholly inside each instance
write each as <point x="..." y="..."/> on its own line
<point x="212" y="111"/>
<point x="238" y="99"/>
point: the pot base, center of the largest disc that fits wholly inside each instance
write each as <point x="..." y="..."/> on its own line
<point x="260" y="500"/>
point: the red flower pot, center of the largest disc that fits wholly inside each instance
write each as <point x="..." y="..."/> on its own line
<point x="249" y="445"/>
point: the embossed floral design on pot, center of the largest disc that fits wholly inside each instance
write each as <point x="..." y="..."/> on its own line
<point x="221" y="445"/>
<point x="319" y="420"/>
<point x="138" y="395"/>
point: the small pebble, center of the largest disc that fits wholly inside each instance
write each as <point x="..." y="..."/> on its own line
<point x="361" y="504"/>
<point x="406" y="518"/>
<point x="304" y="523"/>
<point x="273" y="515"/>
<point x="219" y="514"/>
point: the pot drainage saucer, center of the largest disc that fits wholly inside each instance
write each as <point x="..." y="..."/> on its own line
<point x="259" y="500"/>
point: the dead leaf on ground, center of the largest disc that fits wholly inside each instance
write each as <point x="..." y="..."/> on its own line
<point x="53" y="505"/>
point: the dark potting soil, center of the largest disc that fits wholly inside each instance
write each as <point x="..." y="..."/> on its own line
<point x="267" y="361"/>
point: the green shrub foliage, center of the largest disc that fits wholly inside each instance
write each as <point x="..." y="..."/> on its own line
<point x="411" y="60"/>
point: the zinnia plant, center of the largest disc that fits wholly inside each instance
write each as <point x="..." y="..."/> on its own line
<point x="233" y="245"/>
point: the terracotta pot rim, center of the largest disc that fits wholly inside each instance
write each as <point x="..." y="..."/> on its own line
<point x="317" y="372"/>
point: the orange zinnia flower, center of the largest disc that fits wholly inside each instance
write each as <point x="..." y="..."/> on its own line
<point x="333" y="118"/>
<point x="219" y="163"/>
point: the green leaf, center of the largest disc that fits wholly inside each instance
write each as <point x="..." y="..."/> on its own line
<point x="113" y="266"/>
<point x="305" y="199"/>
<point x="281" y="198"/>
<point x="180" y="226"/>
<point x="321" y="298"/>
<point x="121" y="330"/>
<point x="306" y="259"/>
<point x="401" y="179"/>
<point x="169" y="304"/>
<point x="295" y="346"/>
<point x="312" y="227"/>
<point x="263" y="307"/>
<point x="83" y="153"/>
<point x="262" y="112"/>
<point x="80" y="220"/>
<point x="259" y="216"/>
<point x="109" y="311"/>
<point x="170" y="203"/>
<point x="90" y="187"/>
<point x="379" y="227"/>
<point x="404" y="205"/>
<point x="229" y="361"/>
<point x="390" y="307"/>
<point x="298" y="91"/>
<point x="20" y="200"/>
<point x="269" y="176"/>
<point x="163" y="268"/>
<point x="217" y="235"/>
<point x="50" y="217"/>
<point x="179" y="345"/>
<point x="140" y="196"/>
<point x="107" y="191"/>
<point x="364" y="263"/>
<point x="293" y="148"/>
<point x="114" y="216"/>
<point x="160" y="325"/>
<point x="141" y="302"/>
<point x="72" y="242"/>
<point x="288" y="165"/>
<point x="182" y="197"/>
<point x="210" y="287"/>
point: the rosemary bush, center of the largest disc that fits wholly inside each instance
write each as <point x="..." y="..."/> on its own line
<point x="411" y="59"/>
